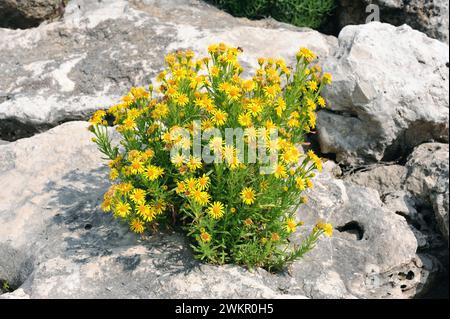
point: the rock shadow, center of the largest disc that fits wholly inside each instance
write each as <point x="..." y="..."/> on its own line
<point x="90" y="233"/>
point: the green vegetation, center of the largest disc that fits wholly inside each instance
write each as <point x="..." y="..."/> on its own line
<point x="302" y="13"/>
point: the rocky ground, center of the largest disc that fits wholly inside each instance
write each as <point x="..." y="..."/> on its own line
<point x="384" y="187"/>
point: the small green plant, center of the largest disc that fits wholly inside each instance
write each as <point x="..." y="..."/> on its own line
<point x="302" y="13"/>
<point x="219" y="154"/>
<point x="4" y="286"/>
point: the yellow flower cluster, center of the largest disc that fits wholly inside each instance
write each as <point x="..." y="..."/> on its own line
<point x="158" y="179"/>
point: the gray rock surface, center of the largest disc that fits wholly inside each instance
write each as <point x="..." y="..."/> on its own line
<point x="55" y="242"/>
<point x="381" y="105"/>
<point x="66" y="69"/>
<point x="428" y="16"/>
<point x="417" y="190"/>
<point x="384" y="178"/>
<point x="428" y="179"/>
<point x="372" y="253"/>
<point x="29" y="13"/>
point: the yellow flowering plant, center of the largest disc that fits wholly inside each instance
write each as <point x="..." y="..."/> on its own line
<point x="176" y="164"/>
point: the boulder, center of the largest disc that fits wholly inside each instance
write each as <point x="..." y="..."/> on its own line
<point x="383" y="178"/>
<point x="56" y="243"/>
<point x="390" y="94"/>
<point x="428" y="16"/>
<point x="26" y="14"/>
<point x="372" y="253"/>
<point x="427" y="179"/>
<point x="64" y="70"/>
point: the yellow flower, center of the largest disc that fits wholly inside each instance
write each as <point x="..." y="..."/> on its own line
<point x="203" y="182"/>
<point x="300" y="183"/>
<point x="148" y="154"/>
<point x="137" y="166"/>
<point x="179" y="73"/>
<point x="309" y="183"/>
<point x="171" y="91"/>
<point x="280" y="171"/>
<point x="138" y="196"/>
<point x="327" y="78"/>
<point x="233" y="93"/>
<point x="306" y="54"/>
<point x="233" y="210"/>
<point x="146" y="212"/>
<point x="213" y="48"/>
<point x="248" y="85"/>
<point x="291" y="225"/>
<point x="200" y="197"/>
<point x="178" y="160"/>
<point x="122" y="209"/>
<point x="113" y="174"/>
<point x="181" y="99"/>
<point x="327" y="228"/>
<point x="216" y="210"/>
<point x="321" y="101"/>
<point x="248" y="222"/>
<point x="106" y="205"/>
<point x="134" y="113"/>
<point x="97" y="118"/>
<point x="153" y="172"/>
<point x="216" y="144"/>
<point x="312" y="119"/>
<point x="291" y="155"/>
<point x="191" y="184"/>
<point x="248" y="196"/>
<point x="205" y="237"/>
<point x="293" y="122"/>
<point x="271" y="91"/>
<point x="125" y="188"/>
<point x="219" y="117"/>
<point x="312" y="85"/>
<point x="137" y="226"/>
<point x="161" y="110"/>
<point x="195" y="82"/>
<point x="181" y="188"/>
<point x="229" y="153"/>
<point x="170" y="58"/>
<point x="207" y="124"/>
<point x="245" y="119"/>
<point x="310" y="104"/>
<point x="251" y="133"/>
<point x="159" y="207"/>
<point x="316" y="160"/>
<point x="215" y="71"/>
<point x="128" y="124"/>
<point x="194" y="163"/>
<point x="303" y="199"/>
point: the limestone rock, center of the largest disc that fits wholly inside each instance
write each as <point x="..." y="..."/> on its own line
<point x="372" y="253"/>
<point x="390" y="94"/>
<point x="427" y="179"/>
<point x="56" y="243"/>
<point x="428" y="16"/>
<point x="64" y="70"/>
<point x="385" y="178"/>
